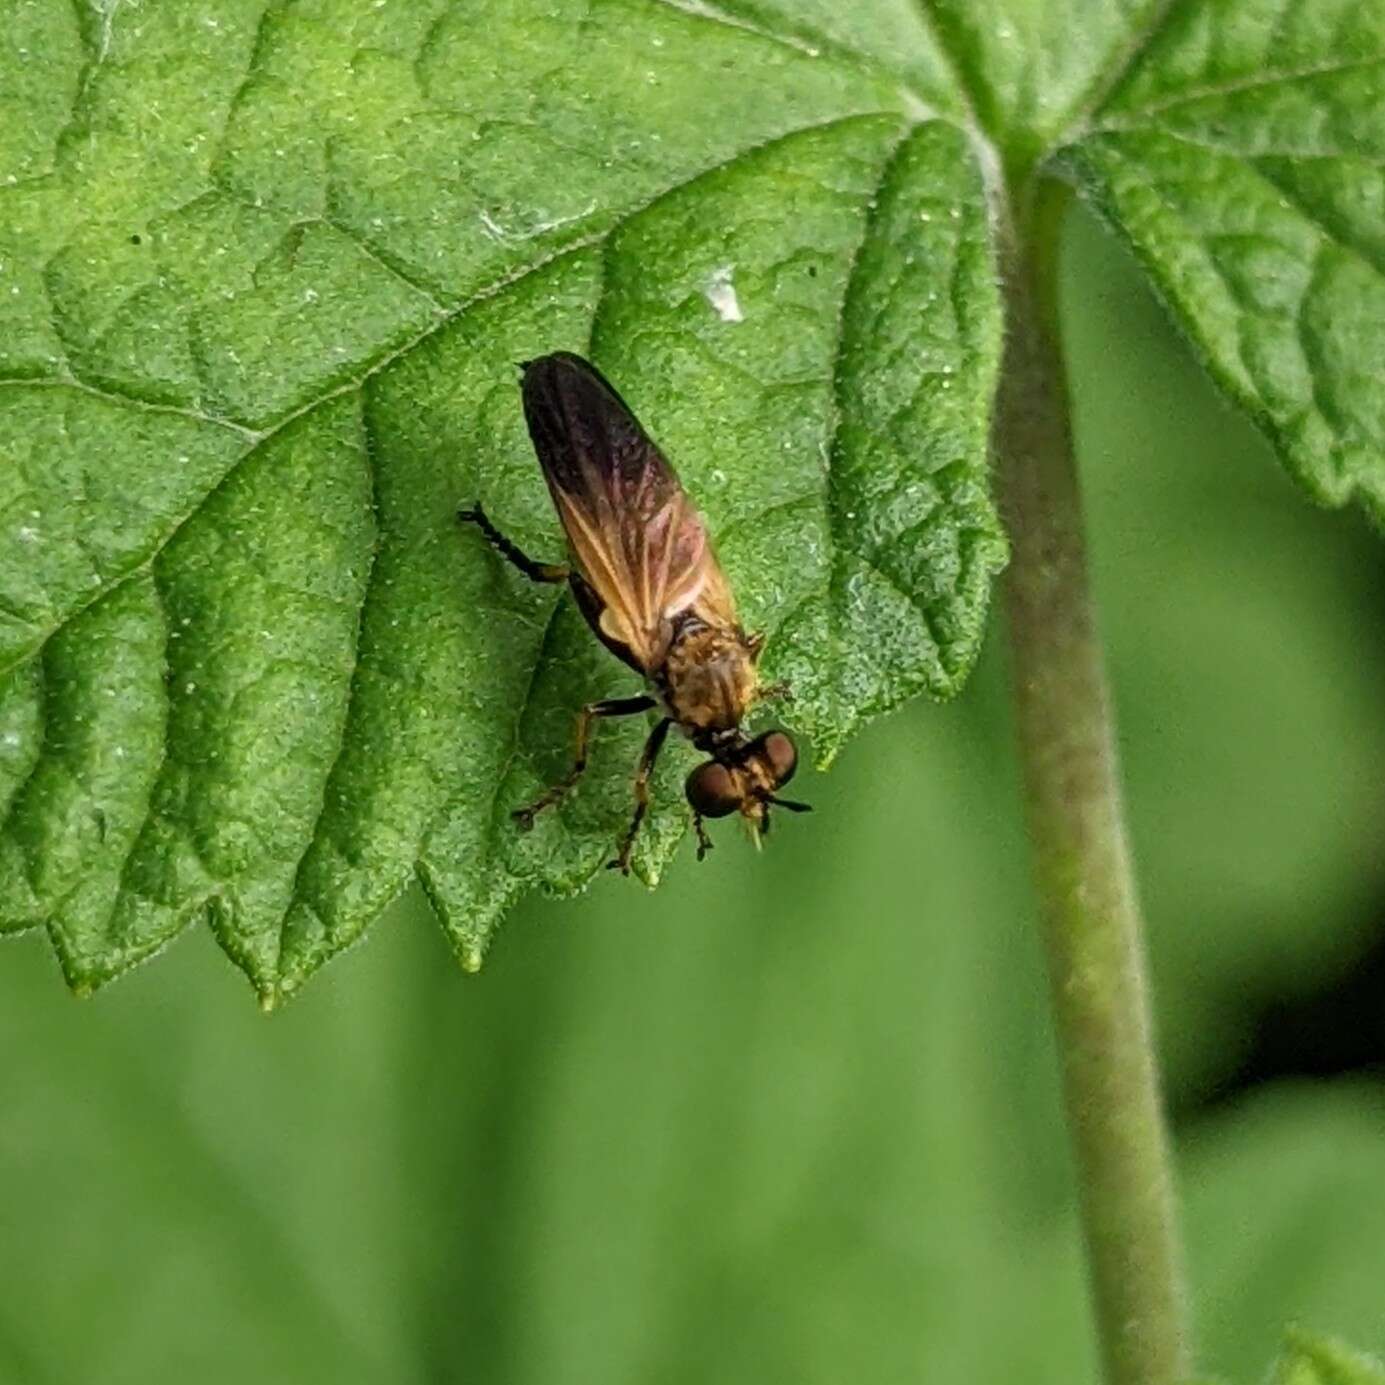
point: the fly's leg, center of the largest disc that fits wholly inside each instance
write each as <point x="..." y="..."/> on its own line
<point x="535" y="572"/>
<point x="648" y="755"/>
<point x="611" y="707"/>
<point x="704" y="842"/>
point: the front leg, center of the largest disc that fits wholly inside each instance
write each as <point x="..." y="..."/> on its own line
<point x="648" y="756"/>
<point x="704" y="842"/>
<point x="610" y="707"/>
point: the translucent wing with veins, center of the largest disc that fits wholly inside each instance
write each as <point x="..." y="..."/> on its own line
<point x="641" y="549"/>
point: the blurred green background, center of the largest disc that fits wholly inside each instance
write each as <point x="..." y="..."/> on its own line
<point x="792" y="1118"/>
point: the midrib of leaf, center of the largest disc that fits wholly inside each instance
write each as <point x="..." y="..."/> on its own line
<point x="963" y="78"/>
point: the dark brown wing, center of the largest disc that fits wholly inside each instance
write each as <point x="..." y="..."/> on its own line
<point x="636" y="539"/>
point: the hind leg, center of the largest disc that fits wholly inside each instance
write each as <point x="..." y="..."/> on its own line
<point x="648" y="756"/>
<point x="535" y="572"/>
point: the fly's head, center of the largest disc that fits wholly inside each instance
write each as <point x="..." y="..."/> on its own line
<point x="745" y="776"/>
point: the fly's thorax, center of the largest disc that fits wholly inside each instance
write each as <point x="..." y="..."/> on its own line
<point x="708" y="679"/>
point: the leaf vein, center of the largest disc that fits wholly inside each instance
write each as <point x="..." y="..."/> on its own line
<point x="297" y="895"/>
<point x="1139" y="117"/>
<point x="962" y="80"/>
<point x="492" y="290"/>
<point x="1107" y="82"/>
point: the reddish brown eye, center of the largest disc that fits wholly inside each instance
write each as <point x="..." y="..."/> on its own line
<point x="779" y="754"/>
<point x="712" y="790"/>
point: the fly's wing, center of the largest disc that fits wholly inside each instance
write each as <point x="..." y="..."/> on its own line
<point x="637" y="540"/>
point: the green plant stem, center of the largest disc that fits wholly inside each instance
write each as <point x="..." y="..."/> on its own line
<point x="1082" y="867"/>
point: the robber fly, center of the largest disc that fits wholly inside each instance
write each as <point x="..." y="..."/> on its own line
<point x="644" y="575"/>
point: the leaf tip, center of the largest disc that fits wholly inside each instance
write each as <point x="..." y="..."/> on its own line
<point x="82" y="981"/>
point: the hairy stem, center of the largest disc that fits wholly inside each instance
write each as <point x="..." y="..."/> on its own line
<point x="1082" y="867"/>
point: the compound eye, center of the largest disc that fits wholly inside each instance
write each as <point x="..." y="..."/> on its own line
<point x="712" y="790"/>
<point x="779" y="754"/>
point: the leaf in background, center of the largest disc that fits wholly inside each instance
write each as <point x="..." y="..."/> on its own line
<point x="267" y="272"/>
<point x="1241" y="156"/>
<point x="1310" y="1360"/>
<point x="1281" y="1189"/>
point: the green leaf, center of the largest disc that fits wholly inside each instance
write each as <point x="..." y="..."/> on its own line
<point x="1241" y="157"/>
<point x="268" y="279"/>
<point x="263" y="275"/>
<point x="1310" y="1360"/>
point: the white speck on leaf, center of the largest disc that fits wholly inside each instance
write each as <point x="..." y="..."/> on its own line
<point x="498" y="232"/>
<point x="721" y="294"/>
<point x="492" y="227"/>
